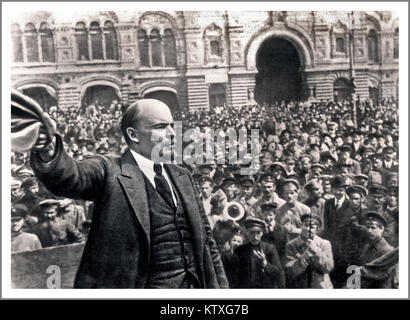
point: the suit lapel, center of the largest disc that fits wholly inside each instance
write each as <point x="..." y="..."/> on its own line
<point x="132" y="181"/>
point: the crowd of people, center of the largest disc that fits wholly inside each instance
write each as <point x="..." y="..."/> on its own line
<point x="324" y="195"/>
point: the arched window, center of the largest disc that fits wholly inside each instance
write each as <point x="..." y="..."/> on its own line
<point x="373" y="46"/>
<point x="217" y="95"/>
<point x="47" y="43"/>
<point x="340" y="44"/>
<point x="81" y="36"/>
<point x="156" y="48"/>
<point x="96" y="41"/>
<point x="16" y="37"/>
<point x="143" y="46"/>
<point x="216" y="48"/>
<point x="396" y="43"/>
<point x="30" y="35"/>
<point x="111" y="44"/>
<point x="170" y="51"/>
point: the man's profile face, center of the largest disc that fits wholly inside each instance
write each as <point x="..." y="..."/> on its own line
<point x="50" y="213"/>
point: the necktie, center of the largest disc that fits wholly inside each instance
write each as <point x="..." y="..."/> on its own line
<point x="162" y="185"/>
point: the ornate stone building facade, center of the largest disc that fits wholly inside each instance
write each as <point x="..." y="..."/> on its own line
<point x="199" y="59"/>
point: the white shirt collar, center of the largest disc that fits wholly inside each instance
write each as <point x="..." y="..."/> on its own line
<point x="142" y="161"/>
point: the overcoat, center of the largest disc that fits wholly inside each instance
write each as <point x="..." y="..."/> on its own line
<point x="118" y="250"/>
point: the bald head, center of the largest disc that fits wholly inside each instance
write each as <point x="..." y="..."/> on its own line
<point x="145" y="123"/>
<point x="142" y="111"/>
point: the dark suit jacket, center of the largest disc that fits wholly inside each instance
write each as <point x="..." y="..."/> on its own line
<point x="272" y="277"/>
<point x="336" y="229"/>
<point x="117" y="253"/>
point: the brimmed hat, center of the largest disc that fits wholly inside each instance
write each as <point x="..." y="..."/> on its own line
<point x="247" y="181"/>
<point x="377" y="189"/>
<point x="356" y="189"/>
<point x="268" y="206"/>
<point x="339" y="182"/>
<point x="18" y="211"/>
<point x="374" y="216"/>
<point x="290" y="181"/>
<point x="255" y="223"/>
<point x="49" y="202"/>
<point x="314" y="219"/>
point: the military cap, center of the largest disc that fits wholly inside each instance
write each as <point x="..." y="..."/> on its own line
<point x="345" y="147"/>
<point x="268" y="206"/>
<point x="388" y="149"/>
<point x="229" y="180"/>
<point x="255" y="223"/>
<point x="361" y="176"/>
<point x="205" y="178"/>
<point x="338" y="182"/>
<point x="49" y="202"/>
<point x="291" y="181"/>
<point x="356" y="189"/>
<point x="18" y="211"/>
<point x="374" y="216"/>
<point x="15" y="183"/>
<point x="327" y="155"/>
<point x="290" y="160"/>
<point x="314" y="219"/>
<point x="279" y="165"/>
<point x="326" y="134"/>
<point x="247" y="181"/>
<point x="368" y="149"/>
<point x="267" y="176"/>
<point x="377" y="189"/>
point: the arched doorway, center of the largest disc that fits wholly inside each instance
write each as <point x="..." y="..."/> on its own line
<point x="167" y="97"/>
<point x="100" y="95"/>
<point x="374" y="95"/>
<point x="45" y="98"/>
<point x="341" y="90"/>
<point x="217" y="95"/>
<point x="279" y="75"/>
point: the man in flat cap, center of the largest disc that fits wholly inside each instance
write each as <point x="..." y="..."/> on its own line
<point x="336" y="222"/>
<point x="345" y="158"/>
<point x="269" y="194"/>
<point x="289" y="214"/>
<point x="377" y="202"/>
<point x="247" y="198"/>
<point x="16" y="191"/>
<point x="388" y="163"/>
<point x="309" y="258"/>
<point x="361" y="179"/>
<point x="259" y="265"/>
<point x="275" y="234"/>
<point x="315" y="201"/>
<point x="53" y="230"/>
<point x="375" y="247"/>
<point x="357" y="233"/>
<point x="20" y="240"/>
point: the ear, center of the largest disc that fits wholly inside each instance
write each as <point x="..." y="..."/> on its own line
<point x="132" y="134"/>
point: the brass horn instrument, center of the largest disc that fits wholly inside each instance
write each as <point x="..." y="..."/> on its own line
<point x="234" y="211"/>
